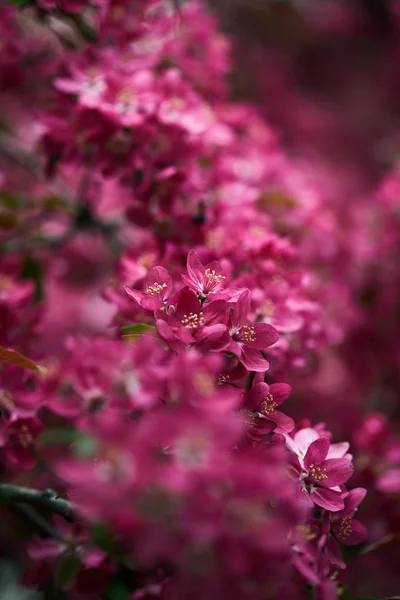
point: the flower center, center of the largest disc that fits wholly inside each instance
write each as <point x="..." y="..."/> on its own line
<point x="156" y="289"/>
<point x="193" y="320"/>
<point x="269" y="405"/>
<point x="24" y="436"/>
<point x="248" y="417"/>
<point x="248" y="333"/>
<point x="345" y="528"/>
<point x="268" y="308"/>
<point x="213" y="278"/>
<point x="125" y="101"/>
<point x="317" y="473"/>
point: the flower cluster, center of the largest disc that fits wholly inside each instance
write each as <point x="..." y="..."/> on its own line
<point x="186" y="291"/>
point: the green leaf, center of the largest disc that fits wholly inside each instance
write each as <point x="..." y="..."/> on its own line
<point x="67" y="570"/>
<point x="138" y="328"/>
<point x="32" y="269"/>
<point x="9" y="200"/>
<point x="85" y="446"/>
<point x="103" y="537"/>
<point x="116" y="590"/>
<point x="59" y="436"/>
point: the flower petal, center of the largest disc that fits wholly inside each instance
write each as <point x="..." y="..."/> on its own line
<point x="338" y="471"/>
<point x="316" y="452"/>
<point x="187" y="303"/>
<point x="215" y="337"/>
<point x="349" y="532"/>
<point x="195" y="268"/>
<point x="241" y="310"/>
<point x="353" y="499"/>
<point x="216" y="312"/>
<point x="161" y="276"/>
<point x="265" y="335"/>
<point x="327" y="499"/>
<point x="280" y="392"/>
<point x="256" y="396"/>
<point x="253" y="361"/>
<point x="284" y="424"/>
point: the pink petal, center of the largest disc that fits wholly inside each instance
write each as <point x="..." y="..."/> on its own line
<point x="335" y="553"/>
<point x="195" y="268"/>
<point x="265" y="335"/>
<point x="187" y="303"/>
<point x="284" y="423"/>
<point x="303" y="439"/>
<point x="353" y="499"/>
<point x="338" y="450"/>
<point x="316" y="452"/>
<point x="280" y="392"/>
<point x="256" y="395"/>
<point x="160" y="275"/>
<point x="144" y="300"/>
<point x="357" y="534"/>
<point x="216" y="312"/>
<point x="241" y="310"/>
<point x="389" y="482"/>
<point x="338" y="471"/>
<point x="252" y="360"/>
<point x="215" y="337"/>
<point x="327" y="499"/>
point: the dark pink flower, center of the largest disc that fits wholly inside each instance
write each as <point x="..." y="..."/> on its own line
<point x="260" y="404"/>
<point x="193" y="323"/>
<point x="321" y="477"/>
<point x="347" y="530"/>
<point x="204" y="280"/>
<point x="17" y="437"/>
<point x="158" y="288"/>
<point x="249" y="338"/>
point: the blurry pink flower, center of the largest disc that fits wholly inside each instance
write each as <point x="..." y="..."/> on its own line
<point x="17" y="438"/>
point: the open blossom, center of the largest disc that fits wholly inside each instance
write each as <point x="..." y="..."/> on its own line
<point x="320" y="477"/>
<point x="204" y="280"/>
<point x="345" y="528"/>
<point x="248" y="339"/>
<point x="191" y="323"/>
<point x="158" y="289"/>
<point x="260" y="409"/>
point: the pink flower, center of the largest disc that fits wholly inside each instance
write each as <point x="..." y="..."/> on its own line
<point x="249" y="338"/>
<point x="17" y="437"/>
<point x="193" y="323"/>
<point x="204" y="280"/>
<point x="260" y="404"/>
<point x="347" y="530"/>
<point x="320" y="477"/>
<point x="158" y="289"/>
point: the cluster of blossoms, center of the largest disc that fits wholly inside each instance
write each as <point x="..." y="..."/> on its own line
<point x="156" y="410"/>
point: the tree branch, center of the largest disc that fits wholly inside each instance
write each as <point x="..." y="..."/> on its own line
<point x="41" y="499"/>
